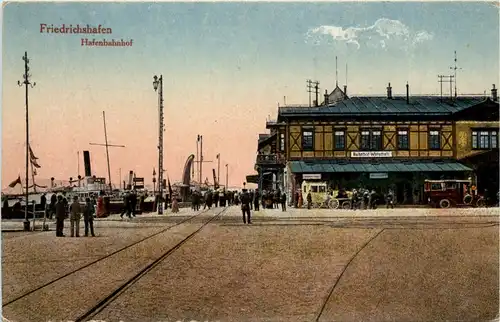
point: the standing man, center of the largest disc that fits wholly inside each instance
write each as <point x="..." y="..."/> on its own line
<point x="53" y="202"/>
<point x="75" y="212"/>
<point x="256" y="198"/>
<point x="309" y="200"/>
<point x="43" y="201"/>
<point x="245" y="206"/>
<point x="88" y="217"/>
<point x="125" y="205"/>
<point x="283" y="201"/>
<point x="60" y="214"/>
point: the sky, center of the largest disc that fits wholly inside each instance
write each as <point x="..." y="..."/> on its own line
<point x="225" y="67"/>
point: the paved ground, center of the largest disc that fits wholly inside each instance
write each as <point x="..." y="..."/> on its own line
<point x="299" y="265"/>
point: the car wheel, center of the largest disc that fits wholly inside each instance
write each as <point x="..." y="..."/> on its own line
<point x="468" y="199"/>
<point x="334" y="204"/>
<point x="346" y="205"/>
<point x="481" y="202"/>
<point x="444" y="203"/>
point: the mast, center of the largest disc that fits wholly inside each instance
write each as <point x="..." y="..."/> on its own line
<point x="107" y="150"/>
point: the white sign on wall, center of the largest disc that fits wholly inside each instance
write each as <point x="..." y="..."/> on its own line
<point x="371" y="154"/>
<point x="309" y="176"/>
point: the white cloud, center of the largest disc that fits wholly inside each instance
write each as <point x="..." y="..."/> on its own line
<point x="382" y="34"/>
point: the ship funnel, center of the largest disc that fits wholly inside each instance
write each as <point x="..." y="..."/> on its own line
<point x="86" y="161"/>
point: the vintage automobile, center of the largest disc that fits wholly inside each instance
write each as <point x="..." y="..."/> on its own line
<point x="322" y="197"/>
<point x="452" y="193"/>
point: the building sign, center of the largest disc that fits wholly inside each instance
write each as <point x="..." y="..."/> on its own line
<point x="371" y="154"/>
<point x="139" y="183"/>
<point x="379" y="175"/>
<point x="308" y="176"/>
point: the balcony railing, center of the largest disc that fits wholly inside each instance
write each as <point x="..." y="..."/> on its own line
<point x="269" y="159"/>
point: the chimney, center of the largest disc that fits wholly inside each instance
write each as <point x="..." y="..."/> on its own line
<point x="389" y="92"/>
<point x="407" y="93"/>
<point x="494" y="94"/>
<point x="345" y="90"/>
<point x="326" y="97"/>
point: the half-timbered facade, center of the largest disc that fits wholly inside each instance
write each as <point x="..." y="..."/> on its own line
<point x="385" y="142"/>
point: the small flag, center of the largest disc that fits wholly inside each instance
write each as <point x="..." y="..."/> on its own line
<point x="15" y="182"/>
<point x="33" y="159"/>
<point x="154" y="172"/>
<point x="32" y="155"/>
<point x="218" y="155"/>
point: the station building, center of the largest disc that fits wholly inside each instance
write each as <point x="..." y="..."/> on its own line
<point x="382" y="142"/>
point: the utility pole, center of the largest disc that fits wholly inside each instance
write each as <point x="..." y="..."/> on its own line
<point x="446" y="79"/>
<point x="107" y="150"/>
<point x="454" y="68"/>
<point x="218" y="168"/>
<point x="201" y="158"/>
<point x="316" y="89"/>
<point x="26" y="82"/>
<point x="309" y="90"/>
<point x="227" y="177"/>
<point x="158" y="85"/>
<point x="78" y="169"/>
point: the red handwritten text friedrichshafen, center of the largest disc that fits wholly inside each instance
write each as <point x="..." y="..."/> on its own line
<point x="74" y="29"/>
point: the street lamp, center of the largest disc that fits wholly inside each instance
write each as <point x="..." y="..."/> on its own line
<point x="158" y="86"/>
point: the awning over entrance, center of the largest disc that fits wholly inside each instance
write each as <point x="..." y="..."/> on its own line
<point x="333" y="166"/>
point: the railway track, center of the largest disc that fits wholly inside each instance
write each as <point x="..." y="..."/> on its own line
<point x="72" y="272"/>
<point x="102" y="304"/>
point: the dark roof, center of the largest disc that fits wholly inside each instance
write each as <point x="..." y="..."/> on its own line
<point x="419" y="105"/>
<point x="332" y="166"/>
<point x="264" y="140"/>
<point x="263" y="136"/>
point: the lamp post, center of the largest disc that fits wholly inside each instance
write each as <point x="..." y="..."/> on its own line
<point x="158" y="86"/>
<point x="26" y="82"/>
<point x="227" y="176"/>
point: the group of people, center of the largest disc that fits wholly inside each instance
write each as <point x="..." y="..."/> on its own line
<point x="59" y="207"/>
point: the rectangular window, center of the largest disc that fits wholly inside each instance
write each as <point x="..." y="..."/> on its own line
<point x="371" y="140"/>
<point x="484" y="140"/>
<point x="282" y="142"/>
<point x="376" y="141"/>
<point x="339" y="140"/>
<point x="365" y="140"/>
<point x="307" y="140"/>
<point x="314" y="188"/>
<point x="494" y="139"/>
<point x="434" y="140"/>
<point x="474" y="139"/>
<point x="403" y="140"/>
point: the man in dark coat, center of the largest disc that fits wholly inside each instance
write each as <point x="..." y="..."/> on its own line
<point x="43" y="201"/>
<point x="126" y="201"/>
<point x="251" y="194"/>
<point x="88" y="217"/>
<point x="283" y="202"/>
<point x="216" y="198"/>
<point x="133" y="203"/>
<point x="256" y="201"/>
<point x="245" y="206"/>
<point x="60" y="215"/>
<point x="53" y="201"/>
